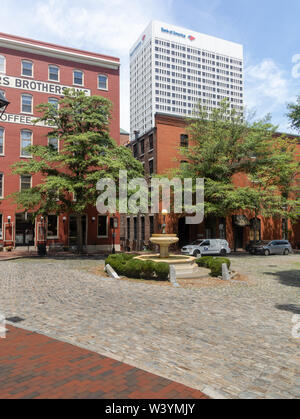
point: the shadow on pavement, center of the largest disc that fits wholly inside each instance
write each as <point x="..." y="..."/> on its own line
<point x="289" y="307"/>
<point x="289" y="278"/>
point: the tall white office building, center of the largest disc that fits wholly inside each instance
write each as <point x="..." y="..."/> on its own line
<point x="172" y="69"/>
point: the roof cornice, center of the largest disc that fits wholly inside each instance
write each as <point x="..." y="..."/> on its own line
<point x="55" y="52"/>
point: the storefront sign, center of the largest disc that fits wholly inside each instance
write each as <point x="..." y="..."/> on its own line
<point x="38" y="86"/>
<point x="22" y="119"/>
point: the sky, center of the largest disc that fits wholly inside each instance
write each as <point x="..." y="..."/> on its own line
<point x="268" y="29"/>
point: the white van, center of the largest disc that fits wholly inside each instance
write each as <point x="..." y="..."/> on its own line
<point x="207" y="247"/>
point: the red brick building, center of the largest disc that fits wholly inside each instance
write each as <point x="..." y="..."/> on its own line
<point x="33" y="72"/>
<point x="159" y="151"/>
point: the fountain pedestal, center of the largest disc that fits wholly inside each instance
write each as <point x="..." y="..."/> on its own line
<point x="185" y="266"/>
<point x="164" y="241"/>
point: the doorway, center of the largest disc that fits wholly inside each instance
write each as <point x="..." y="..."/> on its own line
<point x="73" y="230"/>
<point x="183" y="232"/>
<point x="239" y="238"/>
<point x="25" y="229"/>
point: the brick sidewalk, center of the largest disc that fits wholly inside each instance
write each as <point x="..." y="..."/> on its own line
<point x="35" y="366"/>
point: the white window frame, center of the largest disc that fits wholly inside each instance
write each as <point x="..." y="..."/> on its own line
<point x="2" y="195"/>
<point x="32" y="72"/>
<point x="3" y="153"/>
<point x="107" y="225"/>
<point x="57" y="236"/>
<point x="56" y="66"/>
<point x="79" y="71"/>
<point x="21" y="148"/>
<point x="51" y="97"/>
<point x="21" y="182"/>
<point x="49" y="138"/>
<point x="100" y="88"/>
<point x="28" y="95"/>
<point x="4" y="65"/>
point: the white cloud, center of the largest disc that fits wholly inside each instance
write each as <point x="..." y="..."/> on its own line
<point x="108" y="27"/>
<point x="268" y="89"/>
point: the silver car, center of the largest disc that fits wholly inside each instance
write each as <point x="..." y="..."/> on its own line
<point x="207" y="247"/>
<point x="275" y="247"/>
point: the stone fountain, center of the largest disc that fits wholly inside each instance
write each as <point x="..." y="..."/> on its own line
<point x="185" y="266"/>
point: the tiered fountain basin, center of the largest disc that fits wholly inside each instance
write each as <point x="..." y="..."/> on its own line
<point x="185" y="266"/>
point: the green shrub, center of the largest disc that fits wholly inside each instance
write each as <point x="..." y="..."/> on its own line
<point x="162" y="271"/>
<point x="148" y="269"/>
<point x="205" y="261"/>
<point x="225" y="260"/>
<point x="133" y="269"/>
<point x="125" y="264"/>
<point x="216" y="268"/>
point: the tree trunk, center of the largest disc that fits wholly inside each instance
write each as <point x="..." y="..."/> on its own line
<point x="79" y="233"/>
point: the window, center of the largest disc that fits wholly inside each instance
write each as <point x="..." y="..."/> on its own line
<point x="1" y="141"/>
<point x="102" y="82"/>
<point x="151" y="219"/>
<point x="25" y="182"/>
<point x="135" y="228"/>
<point x="184" y="141"/>
<point x="2" y="64"/>
<point x="27" y="68"/>
<point x="53" y="73"/>
<point x="53" y="143"/>
<point x="1" y="222"/>
<point x="4" y="95"/>
<point x="26" y="141"/>
<point x="128" y="228"/>
<point x="52" y="226"/>
<point x="1" y="185"/>
<point x="151" y="142"/>
<point x="26" y="105"/>
<point x="143" y="229"/>
<point x="151" y="167"/>
<point x="135" y="150"/>
<point x="53" y="101"/>
<point x="102" y="226"/>
<point x="78" y="77"/>
<point x="143" y="147"/>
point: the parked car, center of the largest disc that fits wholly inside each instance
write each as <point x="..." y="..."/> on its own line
<point x="274" y="247"/>
<point x="207" y="247"/>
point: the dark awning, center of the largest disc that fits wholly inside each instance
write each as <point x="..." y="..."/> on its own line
<point x="240" y="221"/>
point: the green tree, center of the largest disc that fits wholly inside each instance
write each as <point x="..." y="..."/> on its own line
<point x="245" y="165"/>
<point x="86" y="154"/>
<point x="294" y="114"/>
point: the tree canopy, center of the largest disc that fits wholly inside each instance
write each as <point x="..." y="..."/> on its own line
<point x="245" y="165"/>
<point x="79" y="154"/>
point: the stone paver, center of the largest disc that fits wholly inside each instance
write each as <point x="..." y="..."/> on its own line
<point x="33" y="366"/>
<point x="235" y="340"/>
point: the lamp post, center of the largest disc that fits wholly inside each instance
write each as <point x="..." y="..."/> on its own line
<point x="164" y="213"/>
<point x="114" y="225"/>
<point x="3" y="105"/>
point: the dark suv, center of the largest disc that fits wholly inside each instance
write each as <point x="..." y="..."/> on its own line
<point x="274" y="247"/>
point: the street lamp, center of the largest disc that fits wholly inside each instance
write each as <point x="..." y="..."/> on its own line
<point x="3" y="104"/>
<point x="114" y="224"/>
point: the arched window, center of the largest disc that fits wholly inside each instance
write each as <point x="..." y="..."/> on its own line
<point x="255" y="230"/>
<point x="102" y="82"/>
<point x="53" y="73"/>
<point x="1" y="185"/>
<point x="26" y="141"/>
<point x="78" y="77"/>
<point x="2" y="64"/>
<point x="27" y="68"/>
<point x="26" y="104"/>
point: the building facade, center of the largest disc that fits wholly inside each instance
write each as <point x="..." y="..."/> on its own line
<point x="31" y="73"/>
<point x="159" y="151"/>
<point x="172" y="69"/>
